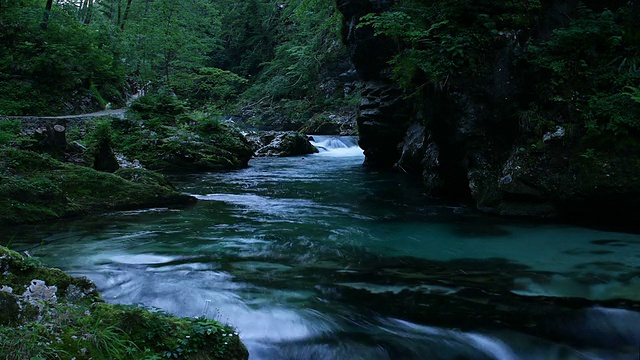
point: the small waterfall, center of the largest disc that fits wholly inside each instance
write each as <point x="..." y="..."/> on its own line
<point x="336" y="145"/>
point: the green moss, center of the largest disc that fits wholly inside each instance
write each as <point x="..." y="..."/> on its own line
<point x="178" y="140"/>
<point x="36" y="187"/>
<point x="10" y="308"/>
<point x="18" y="271"/>
<point x="86" y="328"/>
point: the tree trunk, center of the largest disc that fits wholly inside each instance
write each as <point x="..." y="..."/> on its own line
<point x="85" y="11"/>
<point x="60" y="137"/>
<point x="126" y="14"/>
<point x="51" y="140"/>
<point x="47" y="10"/>
<point x="119" y="13"/>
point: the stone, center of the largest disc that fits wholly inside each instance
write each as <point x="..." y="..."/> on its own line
<point x="283" y="144"/>
<point x="557" y="135"/>
<point x="38" y="290"/>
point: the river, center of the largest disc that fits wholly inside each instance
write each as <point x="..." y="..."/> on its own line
<point x="316" y="257"/>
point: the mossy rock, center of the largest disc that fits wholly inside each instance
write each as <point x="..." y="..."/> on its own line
<point x="18" y="272"/>
<point x="574" y="181"/>
<point x="283" y="144"/>
<point x="36" y="187"/>
<point x="321" y="125"/>
<point x="341" y="123"/>
<point x="144" y="177"/>
<point x="83" y="327"/>
<point x="181" y="142"/>
<point x="9" y="309"/>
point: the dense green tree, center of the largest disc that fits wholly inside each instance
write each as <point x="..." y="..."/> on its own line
<point x="248" y="35"/>
<point x="584" y="72"/>
<point x="79" y="55"/>
<point x="52" y="68"/>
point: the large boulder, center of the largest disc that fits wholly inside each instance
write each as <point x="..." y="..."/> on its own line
<point x="288" y="143"/>
<point x="35" y="187"/>
<point x="330" y="124"/>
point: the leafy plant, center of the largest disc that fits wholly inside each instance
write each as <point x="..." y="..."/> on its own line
<point x="11" y="133"/>
<point x="444" y="38"/>
<point x="585" y="67"/>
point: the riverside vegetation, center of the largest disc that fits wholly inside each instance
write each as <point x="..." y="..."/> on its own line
<point x="47" y="314"/>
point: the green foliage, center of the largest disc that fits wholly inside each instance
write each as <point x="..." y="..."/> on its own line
<point x="100" y="134"/>
<point x="28" y="342"/>
<point x="158" y="110"/>
<point x="11" y="133"/>
<point x="211" y="54"/>
<point x="166" y="41"/>
<point x="248" y="36"/>
<point x="587" y="66"/>
<point x="207" y="85"/>
<point x="309" y="37"/>
<point x="41" y="69"/>
<point x="585" y="72"/>
<point x="444" y="38"/>
<point x="289" y="88"/>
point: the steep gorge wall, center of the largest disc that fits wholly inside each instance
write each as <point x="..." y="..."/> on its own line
<point x="465" y="141"/>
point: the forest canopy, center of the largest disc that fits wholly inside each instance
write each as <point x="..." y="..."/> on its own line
<point x="74" y="56"/>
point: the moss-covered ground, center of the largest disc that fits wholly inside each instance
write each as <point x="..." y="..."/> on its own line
<point x="75" y="323"/>
<point x="36" y="187"/>
<point x="162" y="134"/>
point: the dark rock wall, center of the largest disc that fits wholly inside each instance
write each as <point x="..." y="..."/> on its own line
<point x="384" y="113"/>
<point x="463" y="139"/>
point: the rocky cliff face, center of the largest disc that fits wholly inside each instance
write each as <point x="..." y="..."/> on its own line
<point x="462" y="140"/>
<point x="384" y="115"/>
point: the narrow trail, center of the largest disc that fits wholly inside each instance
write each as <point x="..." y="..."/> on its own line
<point x="89" y="115"/>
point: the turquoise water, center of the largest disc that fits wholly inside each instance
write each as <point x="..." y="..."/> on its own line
<point x="317" y="257"/>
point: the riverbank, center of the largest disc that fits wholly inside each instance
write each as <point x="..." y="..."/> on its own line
<point x="37" y="187"/>
<point x="47" y="314"/>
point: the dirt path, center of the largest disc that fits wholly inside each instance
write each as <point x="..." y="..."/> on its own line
<point x="90" y="115"/>
<point x="95" y="114"/>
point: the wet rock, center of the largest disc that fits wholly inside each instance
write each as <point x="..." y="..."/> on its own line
<point x="382" y="123"/>
<point x="413" y="149"/>
<point x="330" y="124"/>
<point x="557" y="135"/>
<point x="282" y="144"/>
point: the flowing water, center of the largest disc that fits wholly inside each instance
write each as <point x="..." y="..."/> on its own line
<point x="317" y="257"/>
